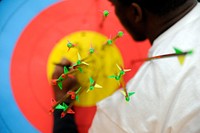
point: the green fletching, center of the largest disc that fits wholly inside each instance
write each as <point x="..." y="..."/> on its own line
<point x="78" y="62"/>
<point x="120" y="33"/>
<point x="121" y="72"/>
<point x="190" y="52"/>
<point x="60" y="79"/>
<point x="65" y="106"/>
<point x="178" y="51"/>
<point x="109" y="41"/>
<point x="69" y="45"/>
<point x="113" y="76"/>
<point x="91" y="81"/>
<point x="91" y="88"/>
<point x="59" y="107"/>
<point x="65" y="70"/>
<point x="105" y="13"/>
<point x="117" y="77"/>
<point x="60" y="85"/>
<point x="80" y="69"/>
<point x="91" y="50"/>
<point x="131" y="93"/>
<point x="77" y="98"/>
<point x="127" y="99"/>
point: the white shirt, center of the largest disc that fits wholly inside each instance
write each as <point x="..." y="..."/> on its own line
<point x="167" y="94"/>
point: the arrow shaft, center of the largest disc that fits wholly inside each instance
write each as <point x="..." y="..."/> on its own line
<point x="64" y="98"/>
<point x="124" y="87"/>
<point x="159" y="57"/>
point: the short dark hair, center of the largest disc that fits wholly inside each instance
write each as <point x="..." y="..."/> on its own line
<point x="159" y="7"/>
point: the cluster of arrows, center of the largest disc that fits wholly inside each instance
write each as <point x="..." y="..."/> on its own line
<point x="78" y="67"/>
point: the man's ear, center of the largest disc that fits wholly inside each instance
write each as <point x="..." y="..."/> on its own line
<point x="137" y="12"/>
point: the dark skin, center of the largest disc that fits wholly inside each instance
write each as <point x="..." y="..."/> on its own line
<point x="143" y="24"/>
<point x="68" y="83"/>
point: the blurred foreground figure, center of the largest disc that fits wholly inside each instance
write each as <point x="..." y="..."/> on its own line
<point x="167" y="91"/>
<point x="66" y="124"/>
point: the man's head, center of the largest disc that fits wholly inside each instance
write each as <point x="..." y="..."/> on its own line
<point x="159" y="7"/>
<point x="139" y="16"/>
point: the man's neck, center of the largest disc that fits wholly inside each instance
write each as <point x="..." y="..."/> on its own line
<point x="159" y="24"/>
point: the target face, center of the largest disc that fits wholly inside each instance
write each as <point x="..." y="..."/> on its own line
<point x="100" y="64"/>
<point x="43" y="41"/>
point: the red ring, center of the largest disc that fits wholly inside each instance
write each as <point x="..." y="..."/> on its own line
<point x="29" y="63"/>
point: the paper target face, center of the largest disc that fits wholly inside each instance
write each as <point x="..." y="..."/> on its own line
<point x="38" y="40"/>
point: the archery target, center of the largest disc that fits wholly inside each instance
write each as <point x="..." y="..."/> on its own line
<point x="101" y="64"/>
<point x="27" y="71"/>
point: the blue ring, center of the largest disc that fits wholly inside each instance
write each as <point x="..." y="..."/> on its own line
<point x="15" y="16"/>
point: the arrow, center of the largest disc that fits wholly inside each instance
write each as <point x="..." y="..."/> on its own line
<point x="122" y="71"/>
<point x="120" y="74"/>
<point x="119" y="35"/>
<point x="110" y="41"/>
<point x="77" y="95"/>
<point x="72" y="94"/>
<point x="78" y="63"/>
<point x="64" y="106"/>
<point x="91" y="50"/>
<point x="105" y="15"/>
<point x="93" y="85"/>
<point x="127" y="98"/>
<point x="181" y="55"/>
<point x="65" y="72"/>
<point x="177" y="53"/>
<point x="69" y="111"/>
<point x="53" y="101"/>
<point x="70" y="45"/>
